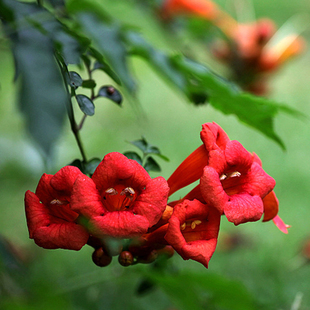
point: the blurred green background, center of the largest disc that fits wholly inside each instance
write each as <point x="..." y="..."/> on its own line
<point x="269" y="263"/>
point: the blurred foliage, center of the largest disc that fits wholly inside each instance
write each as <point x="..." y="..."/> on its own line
<point x="266" y="272"/>
<point x="78" y="30"/>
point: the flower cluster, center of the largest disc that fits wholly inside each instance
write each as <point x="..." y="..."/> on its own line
<point x="251" y="54"/>
<point x="121" y="211"/>
<point x="250" y="50"/>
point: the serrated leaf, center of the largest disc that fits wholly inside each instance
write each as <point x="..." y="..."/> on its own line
<point x="86" y="105"/>
<point x="257" y="112"/>
<point x="89" y="84"/>
<point x="151" y="165"/>
<point x="75" y="79"/>
<point x="111" y="93"/>
<point x="134" y="156"/>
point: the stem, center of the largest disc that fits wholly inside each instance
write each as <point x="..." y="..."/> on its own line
<point x="92" y="94"/>
<point x="82" y="122"/>
<point x="74" y="127"/>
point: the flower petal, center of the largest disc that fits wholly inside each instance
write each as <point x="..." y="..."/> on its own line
<point x="244" y="208"/>
<point x="115" y="168"/>
<point x="189" y="171"/>
<point x="64" y="235"/>
<point x="237" y="156"/>
<point x="213" y="136"/>
<point x="37" y="214"/>
<point x="119" y="224"/>
<point x="51" y="232"/>
<point x="212" y="190"/>
<point x="45" y="191"/>
<point x="152" y="202"/>
<point x="258" y="182"/>
<point x="85" y="198"/>
<point x="280" y="224"/>
<point x="64" y="179"/>
<point x="271" y="206"/>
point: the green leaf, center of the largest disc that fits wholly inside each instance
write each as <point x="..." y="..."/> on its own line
<point x="151" y="165"/>
<point x="151" y="149"/>
<point x="75" y="79"/>
<point x="140" y="144"/>
<point x="102" y="65"/>
<point x="159" y="60"/>
<point x="147" y="148"/>
<point x="200" y="84"/>
<point x="256" y="112"/>
<point x="134" y="156"/>
<point x="89" y="84"/>
<point x="107" y="37"/>
<point x="77" y="163"/>
<point x="86" y="105"/>
<point x="111" y="93"/>
<point x="91" y="165"/>
<point x="42" y="97"/>
<point x="69" y="44"/>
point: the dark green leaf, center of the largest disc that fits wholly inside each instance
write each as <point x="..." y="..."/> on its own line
<point x="79" y="164"/>
<point x="102" y="65"/>
<point x="111" y="93"/>
<point x="159" y="60"/>
<point x="86" y="105"/>
<point x="91" y="165"/>
<point x="134" y="156"/>
<point x="107" y="38"/>
<point x="42" y="96"/>
<point x="75" y="79"/>
<point x="254" y="111"/>
<point x="89" y="84"/>
<point x="151" y="165"/>
<point x="86" y="60"/>
<point x="140" y="144"/>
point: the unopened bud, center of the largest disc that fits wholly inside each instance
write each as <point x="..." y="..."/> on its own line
<point x="101" y="258"/>
<point x="125" y="258"/>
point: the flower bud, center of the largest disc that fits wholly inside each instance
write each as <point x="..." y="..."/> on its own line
<point x="125" y="258"/>
<point x="101" y="258"/>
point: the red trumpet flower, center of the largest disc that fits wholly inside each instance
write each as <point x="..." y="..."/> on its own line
<point x="51" y="221"/>
<point x="121" y="200"/>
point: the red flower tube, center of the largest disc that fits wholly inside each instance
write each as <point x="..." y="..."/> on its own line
<point x="50" y="219"/>
<point x="121" y="200"/>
